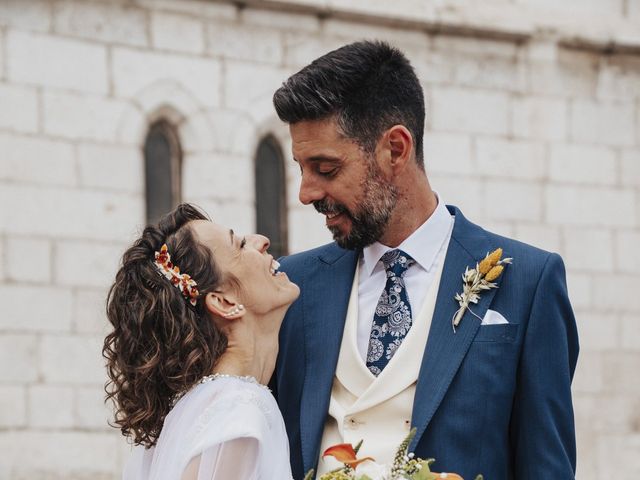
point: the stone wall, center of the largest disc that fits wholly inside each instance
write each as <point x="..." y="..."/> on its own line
<point x="533" y="130"/>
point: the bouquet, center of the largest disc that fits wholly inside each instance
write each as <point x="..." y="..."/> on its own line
<point x="405" y="465"/>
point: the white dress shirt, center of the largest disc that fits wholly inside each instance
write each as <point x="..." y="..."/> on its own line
<point x="427" y="246"/>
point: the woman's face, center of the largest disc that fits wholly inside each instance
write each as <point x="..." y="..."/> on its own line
<point x="246" y="258"/>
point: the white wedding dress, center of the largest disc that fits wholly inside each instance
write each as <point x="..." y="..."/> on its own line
<point x="223" y="429"/>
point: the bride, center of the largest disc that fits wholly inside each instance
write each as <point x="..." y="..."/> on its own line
<point x="196" y="311"/>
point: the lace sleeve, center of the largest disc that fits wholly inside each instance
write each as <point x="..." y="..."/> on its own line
<point x="237" y="458"/>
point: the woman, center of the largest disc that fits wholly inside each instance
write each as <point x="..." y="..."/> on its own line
<point x="196" y="312"/>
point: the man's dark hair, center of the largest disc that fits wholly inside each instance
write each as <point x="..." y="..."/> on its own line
<point x="369" y="86"/>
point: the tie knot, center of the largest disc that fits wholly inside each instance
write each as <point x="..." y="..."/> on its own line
<point x="397" y="261"/>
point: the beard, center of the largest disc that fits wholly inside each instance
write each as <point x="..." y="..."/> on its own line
<point x="369" y="222"/>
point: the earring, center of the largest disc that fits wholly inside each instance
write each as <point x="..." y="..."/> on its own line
<point x="236" y="310"/>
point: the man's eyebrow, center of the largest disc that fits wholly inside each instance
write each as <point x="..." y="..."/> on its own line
<point x="320" y="158"/>
<point x="231" y="234"/>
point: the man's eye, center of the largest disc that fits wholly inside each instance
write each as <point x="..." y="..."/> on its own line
<point x="243" y="242"/>
<point x="328" y="173"/>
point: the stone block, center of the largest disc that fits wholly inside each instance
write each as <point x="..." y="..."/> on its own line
<point x="510" y="159"/>
<point x="33" y="15"/>
<point x="50" y="406"/>
<point x="509" y="200"/>
<point x="590" y="374"/>
<point x="622" y="450"/>
<point x="219" y="176"/>
<point x="134" y="70"/>
<point x="49" y="61"/>
<point x="236" y="214"/>
<point x="301" y="48"/>
<point x="19" y="112"/>
<point x="621" y="366"/>
<point x="580" y="286"/>
<point x="626" y="251"/>
<point x="630" y="167"/>
<point x="583" y="164"/>
<point x="233" y="132"/>
<point x="21" y="352"/>
<point x="36" y="160"/>
<point x="307" y="229"/>
<point x="258" y="44"/>
<point x="605" y="413"/>
<point x="82" y="214"/>
<point x="630" y="336"/>
<point x="250" y="87"/>
<point x="12" y="406"/>
<point x="178" y="33"/>
<point x="468" y="194"/>
<point x="89" y="311"/>
<point x="111" y="166"/>
<point x="51" y="312"/>
<point x="539" y="118"/>
<point x="59" y="455"/>
<point x="91" y="410"/>
<point x="469" y="111"/>
<point x="86" y="263"/>
<point x="588" y="249"/>
<point x="539" y="235"/>
<point x="615" y="293"/>
<point x="576" y="205"/>
<point x="446" y="153"/>
<point x="454" y="45"/>
<point x="286" y="21"/>
<point x="111" y="22"/>
<point x="72" y="359"/>
<point x="497" y="73"/>
<point x="602" y="123"/>
<point x="598" y="331"/>
<point x="572" y="74"/>
<point x="619" y="78"/>
<point x="195" y="8"/>
<point x="28" y="260"/>
<point x="82" y="117"/>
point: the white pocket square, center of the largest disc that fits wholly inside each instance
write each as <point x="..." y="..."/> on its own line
<point x="493" y="318"/>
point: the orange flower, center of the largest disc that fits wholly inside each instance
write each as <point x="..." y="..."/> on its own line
<point x="490" y="261"/>
<point x="494" y="273"/>
<point x="345" y="453"/>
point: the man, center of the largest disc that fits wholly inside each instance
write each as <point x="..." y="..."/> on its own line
<point x="369" y="350"/>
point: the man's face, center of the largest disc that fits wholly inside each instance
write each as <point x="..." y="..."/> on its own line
<point x="343" y="183"/>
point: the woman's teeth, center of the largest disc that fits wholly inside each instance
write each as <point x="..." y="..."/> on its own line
<point x="274" y="267"/>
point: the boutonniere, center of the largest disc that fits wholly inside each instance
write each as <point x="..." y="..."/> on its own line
<point x="476" y="280"/>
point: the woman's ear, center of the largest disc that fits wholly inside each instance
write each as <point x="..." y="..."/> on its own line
<point x="224" y="305"/>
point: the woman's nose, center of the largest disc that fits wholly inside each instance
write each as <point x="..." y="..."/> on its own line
<point x="259" y="242"/>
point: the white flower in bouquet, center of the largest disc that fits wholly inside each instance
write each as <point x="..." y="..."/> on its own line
<point x="373" y="470"/>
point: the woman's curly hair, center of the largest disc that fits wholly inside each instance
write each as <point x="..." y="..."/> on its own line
<point x="160" y="344"/>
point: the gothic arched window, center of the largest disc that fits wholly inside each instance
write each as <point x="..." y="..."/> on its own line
<point x="271" y="208"/>
<point x="162" y="170"/>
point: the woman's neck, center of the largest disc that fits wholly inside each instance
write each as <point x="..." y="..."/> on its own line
<point x="252" y="349"/>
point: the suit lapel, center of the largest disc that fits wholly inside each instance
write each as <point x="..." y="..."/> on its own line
<point x="445" y="349"/>
<point x="326" y="296"/>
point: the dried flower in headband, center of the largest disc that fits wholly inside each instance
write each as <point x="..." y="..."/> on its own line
<point x="171" y="272"/>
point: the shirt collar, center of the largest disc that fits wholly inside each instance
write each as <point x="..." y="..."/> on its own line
<point x="423" y="245"/>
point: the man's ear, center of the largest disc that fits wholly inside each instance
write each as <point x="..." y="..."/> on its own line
<point x="224" y="305"/>
<point x="400" y="144"/>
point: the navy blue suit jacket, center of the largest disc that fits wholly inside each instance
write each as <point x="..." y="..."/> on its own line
<point x="490" y="399"/>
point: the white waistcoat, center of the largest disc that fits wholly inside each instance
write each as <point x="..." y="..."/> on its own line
<point x="376" y="410"/>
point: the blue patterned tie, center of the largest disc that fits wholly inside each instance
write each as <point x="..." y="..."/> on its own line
<point x="392" y="319"/>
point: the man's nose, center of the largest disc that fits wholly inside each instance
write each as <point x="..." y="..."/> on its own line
<point x="309" y="191"/>
<point x="259" y="242"/>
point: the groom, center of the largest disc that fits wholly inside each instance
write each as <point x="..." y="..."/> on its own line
<point x="368" y="350"/>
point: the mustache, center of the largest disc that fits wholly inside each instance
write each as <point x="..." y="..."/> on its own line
<point x="326" y="206"/>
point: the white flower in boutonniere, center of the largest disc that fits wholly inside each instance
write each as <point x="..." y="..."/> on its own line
<point x="476" y="280"/>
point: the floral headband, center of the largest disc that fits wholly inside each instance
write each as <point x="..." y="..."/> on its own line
<point x="187" y="286"/>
